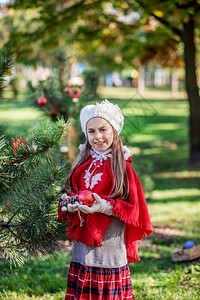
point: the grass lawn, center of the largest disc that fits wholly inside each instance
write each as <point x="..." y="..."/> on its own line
<point x="156" y="131"/>
<point x="17" y="116"/>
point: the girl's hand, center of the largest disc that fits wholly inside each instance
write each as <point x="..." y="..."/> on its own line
<point x="73" y="207"/>
<point x="100" y="205"/>
<point x="69" y="203"/>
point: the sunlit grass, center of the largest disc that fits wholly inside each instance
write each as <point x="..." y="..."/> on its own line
<point x="179" y="175"/>
<point x="183" y="215"/>
<point x="174" y="193"/>
<point x="164" y="126"/>
<point x="130" y="92"/>
<point x="18" y="117"/>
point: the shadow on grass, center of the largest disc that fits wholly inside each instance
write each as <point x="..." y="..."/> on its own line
<point x="173" y="183"/>
<point x="175" y="199"/>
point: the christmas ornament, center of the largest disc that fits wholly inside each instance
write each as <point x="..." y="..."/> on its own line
<point x="42" y="101"/>
<point x="72" y="95"/>
<point x="25" y="143"/>
<point x="86" y="197"/>
<point x="53" y="113"/>
<point x="16" y="142"/>
<point x="67" y="200"/>
<point x="76" y="81"/>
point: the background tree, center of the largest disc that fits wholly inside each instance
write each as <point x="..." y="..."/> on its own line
<point x="114" y="27"/>
<point x="175" y="24"/>
<point x="63" y="95"/>
<point x="182" y="19"/>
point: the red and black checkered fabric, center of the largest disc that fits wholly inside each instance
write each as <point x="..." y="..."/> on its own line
<point x="93" y="283"/>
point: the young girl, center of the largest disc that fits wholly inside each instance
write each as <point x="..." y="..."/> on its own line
<point x="106" y="234"/>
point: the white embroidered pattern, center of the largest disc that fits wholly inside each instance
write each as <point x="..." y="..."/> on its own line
<point x="94" y="180"/>
<point x="87" y="179"/>
<point x="90" y="179"/>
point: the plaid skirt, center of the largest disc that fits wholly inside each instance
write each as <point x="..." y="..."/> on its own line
<point x="93" y="283"/>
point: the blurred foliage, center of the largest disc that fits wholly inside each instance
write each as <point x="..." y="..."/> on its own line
<point x="110" y="34"/>
<point x="63" y="98"/>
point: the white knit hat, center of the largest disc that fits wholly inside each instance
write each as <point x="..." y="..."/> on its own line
<point x="106" y="110"/>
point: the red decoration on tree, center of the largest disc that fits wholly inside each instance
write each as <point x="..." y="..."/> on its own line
<point x="16" y="143"/>
<point x="42" y="101"/>
<point x="86" y="198"/>
<point x="72" y="95"/>
<point x="25" y="143"/>
<point x="53" y="113"/>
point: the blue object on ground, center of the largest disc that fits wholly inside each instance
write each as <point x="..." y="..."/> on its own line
<point x="189" y="244"/>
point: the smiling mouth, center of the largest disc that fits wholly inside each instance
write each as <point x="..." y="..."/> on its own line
<point x="100" y="143"/>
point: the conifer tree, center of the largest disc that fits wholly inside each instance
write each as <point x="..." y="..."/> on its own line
<point x="56" y="96"/>
<point x="31" y="176"/>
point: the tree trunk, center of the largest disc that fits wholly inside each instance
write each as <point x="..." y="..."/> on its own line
<point x="72" y="143"/>
<point x="192" y="91"/>
<point x="141" y="80"/>
<point x="174" y="84"/>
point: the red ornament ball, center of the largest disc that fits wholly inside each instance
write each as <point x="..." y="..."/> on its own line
<point x="42" y="101"/>
<point x="53" y="113"/>
<point x="86" y="197"/>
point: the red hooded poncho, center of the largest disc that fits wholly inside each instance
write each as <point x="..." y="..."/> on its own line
<point x="133" y="212"/>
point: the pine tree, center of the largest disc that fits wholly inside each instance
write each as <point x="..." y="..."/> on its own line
<point x="56" y="97"/>
<point x="31" y="177"/>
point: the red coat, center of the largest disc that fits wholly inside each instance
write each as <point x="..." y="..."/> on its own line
<point x="134" y="212"/>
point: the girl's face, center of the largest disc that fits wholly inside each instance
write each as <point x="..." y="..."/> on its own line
<point x="99" y="134"/>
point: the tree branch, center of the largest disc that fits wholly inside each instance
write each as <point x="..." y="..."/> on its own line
<point x="8" y="224"/>
<point x="35" y="153"/>
<point x="74" y="6"/>
<point x="168" y="25"/>
<point x="192" y="4"/>
<point x="162" y="20"/>
<point x="14" y="215"/>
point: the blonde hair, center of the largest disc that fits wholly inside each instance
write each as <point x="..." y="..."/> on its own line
<point x="118" y="167"/>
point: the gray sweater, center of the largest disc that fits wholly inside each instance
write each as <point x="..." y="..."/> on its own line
<point x="111" y="255"/>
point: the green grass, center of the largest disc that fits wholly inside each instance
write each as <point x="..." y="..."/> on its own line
<point x="18" y="117"/>
<point x="36" y="279"/>
<point x="156" y="131"/>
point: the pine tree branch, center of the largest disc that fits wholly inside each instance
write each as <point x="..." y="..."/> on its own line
<point x="14" y="215"/>
<point x="16" y="236"/>
<point x="8" y="224"/>
<point x="37" y="152"/>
